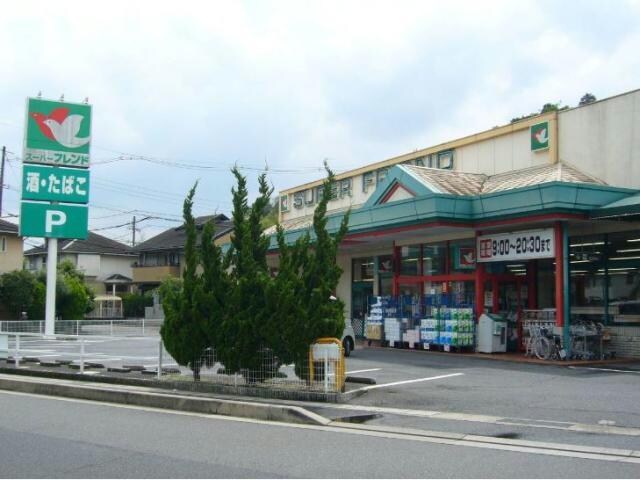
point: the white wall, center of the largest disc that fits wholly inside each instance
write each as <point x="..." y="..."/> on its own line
<point x="499" y="154"/>
<point x="111" y="264"/>
<point x="89" y="264"/>
<point x="603" y="139"/>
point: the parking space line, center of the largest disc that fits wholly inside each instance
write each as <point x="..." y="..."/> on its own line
<point x="404" y="382"/>
<point x="363" y="371"/>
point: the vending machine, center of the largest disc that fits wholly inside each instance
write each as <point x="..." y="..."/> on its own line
<point x="492" y="333"/>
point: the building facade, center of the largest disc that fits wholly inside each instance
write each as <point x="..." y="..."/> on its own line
<point x="11" y="247"/>
<point x="536" y="218"/>
<point x="162" y="256"/>
<point x="106" y="264"/>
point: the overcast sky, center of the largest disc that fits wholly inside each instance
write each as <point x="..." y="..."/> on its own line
<point x="196" y="87"/>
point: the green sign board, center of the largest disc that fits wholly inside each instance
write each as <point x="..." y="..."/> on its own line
<point x="55" y="184"/>
<point x="540" y="136"/>
<point x="57" y="133"/>
<point x="54" y="220"/>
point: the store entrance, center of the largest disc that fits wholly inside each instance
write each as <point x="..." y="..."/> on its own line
<point x="360" y="294"/>
<point x="512" y="299"/>
<point x="507" y="294"/>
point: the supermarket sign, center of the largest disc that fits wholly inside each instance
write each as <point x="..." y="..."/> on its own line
<point x="57" y="133"/>
<point x="525" y="245"/>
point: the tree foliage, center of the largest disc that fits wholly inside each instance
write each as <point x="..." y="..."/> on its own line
<point x="182" y="330"/>
<point x="23" y="291"/>
<point x="587" y="98"/>
<point x="18" y="292"/>
<point x="546" y="108"/>
<point x="133" y="304"/>
<point x="231" y="303"/>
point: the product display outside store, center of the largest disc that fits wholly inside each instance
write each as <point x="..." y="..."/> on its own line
<point x="427" y="322"/>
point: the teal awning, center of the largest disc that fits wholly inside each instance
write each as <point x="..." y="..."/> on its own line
<point x="620" y="208"/>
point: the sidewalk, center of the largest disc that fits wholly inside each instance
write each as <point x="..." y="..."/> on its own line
<point x="506" y="357"/>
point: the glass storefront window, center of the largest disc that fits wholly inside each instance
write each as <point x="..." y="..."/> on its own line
<point x="463" y="293"/>
<point x="546" y="283"/>
<point x="409" y="257"/>
<point x="385" y="274"/>
<point x="434" y="258"/>
<point x="623" y="268"/>
<point x="363" y="269"/>
<point x="462" y="256"/>
<point x="587" y="280"/>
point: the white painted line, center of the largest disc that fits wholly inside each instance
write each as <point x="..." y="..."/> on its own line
<point x="404" y="382"/>
<point x="363" y="371"/>
<point x="33" y="350"/>
<point x="536" y="448"/>
<point x="357" y="371"/>
<point x="606" y="370"/>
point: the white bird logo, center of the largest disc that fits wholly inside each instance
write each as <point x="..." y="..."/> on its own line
<point x="66" y="132"/>
<point x="541" y="136"/>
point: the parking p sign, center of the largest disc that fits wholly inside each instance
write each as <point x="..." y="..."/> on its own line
<point x="53" y="220"/>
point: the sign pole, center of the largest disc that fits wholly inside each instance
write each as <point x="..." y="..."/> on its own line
<point x="52" y="267"/>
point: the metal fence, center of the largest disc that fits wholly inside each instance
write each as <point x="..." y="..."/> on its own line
<point x="118" y="328"/>
<point x="146" y="355"/>
<point x="268" y="373"/>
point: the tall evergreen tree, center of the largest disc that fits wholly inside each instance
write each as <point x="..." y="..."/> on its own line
<point x="244" y="327"/>
<point x="301" y="294"/>
<point x="182" y="330"/>
<point x="215" y="287"/>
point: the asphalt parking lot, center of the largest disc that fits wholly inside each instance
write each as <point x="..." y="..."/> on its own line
<point x="444" y="382"/>
<point x="428" y="381"/>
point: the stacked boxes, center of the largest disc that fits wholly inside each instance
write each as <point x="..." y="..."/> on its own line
<point x="374" y="320"/>
<point x="392" y="330"/>
<point x="412" y="336"/>
<point x="429" y="330"/>
<point x="450" y="326"/>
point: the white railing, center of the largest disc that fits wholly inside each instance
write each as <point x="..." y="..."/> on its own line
<point x="91" y="354"/>
<point x="119" y="328"/>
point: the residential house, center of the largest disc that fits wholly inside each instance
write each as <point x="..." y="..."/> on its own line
<point x="162" y="256"/>
<point x="106" y="264"/>
<point x="11" y="247"/>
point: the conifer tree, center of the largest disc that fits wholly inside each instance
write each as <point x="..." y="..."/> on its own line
<point x="243" y="329"/>
<point x="302" y="295"/>
<point x="182" y="330"/>
<point x="215" y="287"/>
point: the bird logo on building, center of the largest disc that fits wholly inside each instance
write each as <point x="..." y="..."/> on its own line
<point x="541" y="136"/>
<point x="61" y="127"/>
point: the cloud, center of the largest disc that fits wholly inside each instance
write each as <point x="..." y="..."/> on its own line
<point x="293" y="83"/>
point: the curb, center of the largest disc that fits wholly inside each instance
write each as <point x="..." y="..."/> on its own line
<point x="184" y="386"/>
<point x="146" y="397"/>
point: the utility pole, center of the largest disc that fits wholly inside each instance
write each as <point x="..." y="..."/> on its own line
<point x="4" y="154"/>
<point x="133" y="231"/>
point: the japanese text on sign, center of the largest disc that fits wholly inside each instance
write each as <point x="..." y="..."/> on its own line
<point x="55" y="184"/>
<point x="56" y="158"/>
<point x="516" y="246"/>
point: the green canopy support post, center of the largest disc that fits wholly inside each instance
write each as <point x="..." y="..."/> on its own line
<point x="566" y="327"/>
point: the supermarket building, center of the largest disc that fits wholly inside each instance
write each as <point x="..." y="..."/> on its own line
<point x="540" y="214"/>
